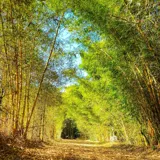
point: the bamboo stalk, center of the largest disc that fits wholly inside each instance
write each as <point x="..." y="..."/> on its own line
<point x="43" y="74"/>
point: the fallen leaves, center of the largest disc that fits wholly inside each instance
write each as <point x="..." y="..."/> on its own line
<point x="83" y="150"/>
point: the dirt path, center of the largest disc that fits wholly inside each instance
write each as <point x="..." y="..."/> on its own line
<point x="83" y="150"/>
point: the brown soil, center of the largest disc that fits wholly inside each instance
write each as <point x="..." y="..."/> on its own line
<point x="80" y="150"/>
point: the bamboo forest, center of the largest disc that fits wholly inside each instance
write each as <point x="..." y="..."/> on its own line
<point x="80" y="79"/>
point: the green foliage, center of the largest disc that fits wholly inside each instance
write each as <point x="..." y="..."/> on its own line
<point x="118" y="64"/>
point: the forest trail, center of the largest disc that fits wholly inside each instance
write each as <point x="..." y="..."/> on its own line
<point x="86" y="150"/>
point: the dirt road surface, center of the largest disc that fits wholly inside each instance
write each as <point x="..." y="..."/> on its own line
<point x="86" y="150"/>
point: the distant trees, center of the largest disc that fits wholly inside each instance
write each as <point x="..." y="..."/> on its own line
<point x="70" y="130"/>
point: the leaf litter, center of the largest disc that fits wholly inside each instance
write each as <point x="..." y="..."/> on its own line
<point x="77" y="150"/>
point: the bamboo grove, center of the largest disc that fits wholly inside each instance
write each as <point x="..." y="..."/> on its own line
<point x="23" y="41"/>
<point x="115" y="88"/>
